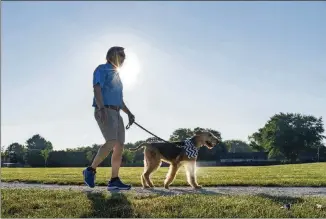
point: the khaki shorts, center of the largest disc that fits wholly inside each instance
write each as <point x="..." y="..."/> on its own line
<point x="113" y="128"/>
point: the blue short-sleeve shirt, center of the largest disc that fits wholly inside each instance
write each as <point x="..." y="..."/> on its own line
<point x="108" y="78"/>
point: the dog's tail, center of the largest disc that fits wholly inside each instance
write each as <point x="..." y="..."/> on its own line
<point x="137" y="148"/>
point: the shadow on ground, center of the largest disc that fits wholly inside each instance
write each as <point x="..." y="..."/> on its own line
<point x="281" y="200"/>
<point x="177" y="191"/>
<point x="114" y="205"/>
<point x="202" y="191"/>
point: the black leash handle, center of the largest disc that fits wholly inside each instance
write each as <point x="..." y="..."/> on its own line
<point x="128" y="126"/>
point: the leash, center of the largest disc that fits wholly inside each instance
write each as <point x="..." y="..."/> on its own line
<point x="128" y="126"/>
<point x="189" y="151"/>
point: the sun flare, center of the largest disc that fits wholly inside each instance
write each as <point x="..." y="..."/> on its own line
<point x="130" y="70"/>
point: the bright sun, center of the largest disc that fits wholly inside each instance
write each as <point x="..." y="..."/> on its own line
<point x="130" y="70"/>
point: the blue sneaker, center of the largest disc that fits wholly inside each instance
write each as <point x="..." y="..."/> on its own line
<point x="118" y="185"/>
<point x="89" y="177"/>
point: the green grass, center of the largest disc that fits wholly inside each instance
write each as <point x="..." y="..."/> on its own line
<point x="38" y="203"/>
<point x="280" y="175"/>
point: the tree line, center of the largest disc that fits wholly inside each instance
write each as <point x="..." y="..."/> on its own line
<point x="285" y="136"/>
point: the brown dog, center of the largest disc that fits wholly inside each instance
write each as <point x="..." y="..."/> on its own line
<point x="176" y="154"/>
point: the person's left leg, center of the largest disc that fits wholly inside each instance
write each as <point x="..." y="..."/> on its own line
<point x="116" y="160"/>
<point x="109" y="129"/>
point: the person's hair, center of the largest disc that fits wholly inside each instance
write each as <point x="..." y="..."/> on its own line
<point x="112" y="55"/>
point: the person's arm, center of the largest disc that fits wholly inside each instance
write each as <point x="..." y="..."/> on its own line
<point x="131" y="117"/>
<point x="125" y="109"/>
<point x="98" y="82"/>
<point x="98" y="96"/>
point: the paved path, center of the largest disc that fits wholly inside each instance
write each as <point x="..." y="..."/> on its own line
<point x="232" y="190"/>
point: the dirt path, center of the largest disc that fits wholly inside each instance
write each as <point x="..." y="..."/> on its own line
<point x="232" y="190"/>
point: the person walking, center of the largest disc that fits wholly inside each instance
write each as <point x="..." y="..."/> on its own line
<point x="108" y="102"/>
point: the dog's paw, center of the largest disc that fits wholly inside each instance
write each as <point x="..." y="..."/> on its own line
<point x="166" y="187"/>
<point x="198" y="187"/>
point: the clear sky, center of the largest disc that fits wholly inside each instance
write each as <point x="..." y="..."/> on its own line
<point x="228" y="66"/>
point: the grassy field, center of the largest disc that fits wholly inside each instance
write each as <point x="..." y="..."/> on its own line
<point x="75" y="204"/>
<point x="71" y="204"/>
<point x="281" y="175"/>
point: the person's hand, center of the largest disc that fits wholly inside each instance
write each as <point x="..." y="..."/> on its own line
<point x="103" y="115"/>
<point x="131" y="118"/>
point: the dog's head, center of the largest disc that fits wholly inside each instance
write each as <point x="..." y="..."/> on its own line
<point x="206" y="138"/>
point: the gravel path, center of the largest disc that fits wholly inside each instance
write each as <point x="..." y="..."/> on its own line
<point x="232" y="190"/>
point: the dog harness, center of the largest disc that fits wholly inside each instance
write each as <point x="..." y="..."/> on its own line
<point x="191" y="149"/>
<point x="187" y="145"/>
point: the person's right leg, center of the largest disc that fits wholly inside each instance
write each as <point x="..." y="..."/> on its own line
<point x="116" y="160"/>
<point x="103" y="152"/>
<point x="115" y="182"/>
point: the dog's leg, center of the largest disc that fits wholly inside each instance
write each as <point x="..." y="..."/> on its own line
<point x="153" y="162"/>
<point x="149" y="171"/>
<point x="191" y="174"/>
<point x="187" y="168"/>
<point x="143" y="182"/>
<point x="171" y="175"/>
<point x="142" y="178"/>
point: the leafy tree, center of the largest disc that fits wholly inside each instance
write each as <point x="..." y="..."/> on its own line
<point x="37" y="142"/>
<point x="289" y="135"/>
<point x="129" y="145"/>
<point x="128" y="157"/>
<point x="38" y="150"/>
<point x="4" y="154"/>
<point x="255" y="142"/>
<point x="90" y="156"/>
<point x="235" y="146"/>
<point x="321" y="153"/>
<point x="138" y="155"/>
<point x="181" y="134"/>
<point x="16" y="153"/>
<point x="67" y="159"/>
<point x="95" y="147"/>
<point x="34" y="158"/>
<point x="45" y="154"/>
